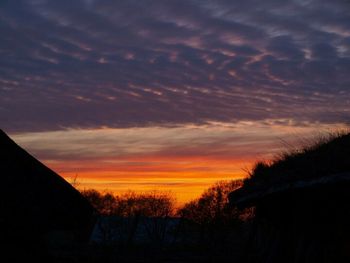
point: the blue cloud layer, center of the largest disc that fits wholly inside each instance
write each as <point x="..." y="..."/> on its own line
<point x="93" y="63"/>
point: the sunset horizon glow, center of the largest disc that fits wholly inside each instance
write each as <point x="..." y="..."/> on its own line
<point x="183" y="161"/>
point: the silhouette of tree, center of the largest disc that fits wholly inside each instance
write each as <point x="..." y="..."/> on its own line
<point x="208" y="220"/>
<point x="212" y="206"/>
<point x="104" y="203"/>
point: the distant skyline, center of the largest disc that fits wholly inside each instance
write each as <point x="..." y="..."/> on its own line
<point x="170" y="94"/>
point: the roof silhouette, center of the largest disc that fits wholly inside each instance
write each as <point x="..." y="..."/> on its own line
<point x="35" y="201"/>
<point x="323" y="164"/>
<point x="301" y="204"/>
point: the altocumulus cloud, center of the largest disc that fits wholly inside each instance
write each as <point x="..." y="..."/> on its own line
<point x="94" y="63"/>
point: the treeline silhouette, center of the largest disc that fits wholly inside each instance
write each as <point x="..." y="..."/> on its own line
<point x="148" y="227"/>
<point x="131" y="204"/>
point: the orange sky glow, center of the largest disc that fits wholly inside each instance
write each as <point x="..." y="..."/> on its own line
<point x="183" y="160"/>
<point x="187" y="178"/>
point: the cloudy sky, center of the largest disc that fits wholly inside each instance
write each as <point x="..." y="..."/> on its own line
<point x="170" y="93"/>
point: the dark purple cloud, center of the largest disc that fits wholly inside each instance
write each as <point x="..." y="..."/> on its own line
<point x="93" y="63"/>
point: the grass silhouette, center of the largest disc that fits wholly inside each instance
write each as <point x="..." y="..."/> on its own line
<point x="326" y="156"/>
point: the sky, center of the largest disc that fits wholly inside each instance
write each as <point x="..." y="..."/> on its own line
<point x="170" y="94"/>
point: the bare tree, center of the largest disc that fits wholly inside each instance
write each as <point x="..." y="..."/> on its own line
<point x="123" y="215"/>
<point x="209" y="219"/>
